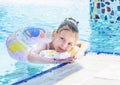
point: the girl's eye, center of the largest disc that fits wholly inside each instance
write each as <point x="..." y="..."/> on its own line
<point x="70" y="44"/>
<point x="61" y="38"/>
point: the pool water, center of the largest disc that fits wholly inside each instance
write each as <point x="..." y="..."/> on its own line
<point x="103" y="35"/>
<point x="18" y="16"/>
<point x="105" y="24"/>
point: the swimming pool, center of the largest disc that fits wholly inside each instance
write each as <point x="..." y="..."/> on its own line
<point x="18" y="16"/>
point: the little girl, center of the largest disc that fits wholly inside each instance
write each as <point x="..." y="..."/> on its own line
<point x="63" y="40"/>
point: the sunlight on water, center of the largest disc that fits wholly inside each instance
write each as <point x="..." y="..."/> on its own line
<point x="17" y="14"/>
<point x="48" y="14"/>
<point x="105" y="24"/>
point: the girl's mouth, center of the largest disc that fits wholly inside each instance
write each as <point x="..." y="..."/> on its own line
<point x="61" y="50"/>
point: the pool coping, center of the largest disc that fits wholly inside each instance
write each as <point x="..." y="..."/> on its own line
<point x="55" y="67"/>
<point x="39" y="74"/>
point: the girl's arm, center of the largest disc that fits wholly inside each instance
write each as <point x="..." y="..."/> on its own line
<point x="34" y="57"/>
<point x="39" y="59"/>
<point x="83" y="46"/>
<point x="33" y="54"/>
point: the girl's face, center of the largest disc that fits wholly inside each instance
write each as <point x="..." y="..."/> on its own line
<point x="63" y="40"/>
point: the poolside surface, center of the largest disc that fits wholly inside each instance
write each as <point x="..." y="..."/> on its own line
<point x="92" y="69"/>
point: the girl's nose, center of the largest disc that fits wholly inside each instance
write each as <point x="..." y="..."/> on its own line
<point x="64" y="46"/>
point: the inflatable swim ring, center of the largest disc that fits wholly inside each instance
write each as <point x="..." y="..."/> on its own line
<point x="55" y="54"/>
<point x="21" y="41"/>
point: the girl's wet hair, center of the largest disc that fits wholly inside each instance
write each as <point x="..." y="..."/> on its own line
<point x="71" y="23"/>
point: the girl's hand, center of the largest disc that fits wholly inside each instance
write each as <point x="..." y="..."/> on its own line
<point x="84" y="46"/>
<point x="68" y="59"/>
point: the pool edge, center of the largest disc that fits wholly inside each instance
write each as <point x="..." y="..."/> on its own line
<point x="39" y="74"/>
<point x="58" y="66"/>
